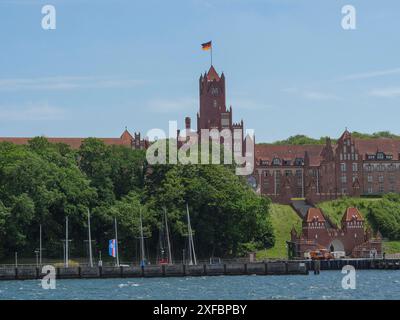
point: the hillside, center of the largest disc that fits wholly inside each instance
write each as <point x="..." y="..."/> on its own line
<point x="283" y="218"/>
<point x="301" y="139"/>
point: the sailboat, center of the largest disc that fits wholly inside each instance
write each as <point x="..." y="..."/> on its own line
<point x="165" y="253"/>
<point x="192" y="253"/>
<point x="142" y="253"/>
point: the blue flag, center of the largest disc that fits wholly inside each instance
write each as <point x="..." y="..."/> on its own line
<point x="112" y="248"/>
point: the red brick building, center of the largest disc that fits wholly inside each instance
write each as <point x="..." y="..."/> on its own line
<point x="350" y="237"/>
<point x="126" y="139"/>
<point x="351" y="167"/>
<point x="213" y="112"/>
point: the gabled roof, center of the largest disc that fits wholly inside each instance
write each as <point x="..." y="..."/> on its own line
<point x="289" y="152"/>
<point x="314" y="214"/>
<point x="212" y="74"/>
<point x="345" y="135"/>
<point x="352" y="214"/>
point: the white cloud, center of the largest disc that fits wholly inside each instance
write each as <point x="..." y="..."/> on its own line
<point x="31" y="112"/>
<point x="249" y="104"/>
<point x="373" y="74"/>
<point x="392" y="92"/>
<point x="311" y="94"/>
<point x="66" y="83"/>
<point x="171" y="105"/>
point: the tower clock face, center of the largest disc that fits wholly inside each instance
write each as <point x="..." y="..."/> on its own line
<point x="214" y="91"/>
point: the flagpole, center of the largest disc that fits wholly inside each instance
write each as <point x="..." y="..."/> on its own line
<point x="211" y="54"/>
<point x="90" y="241"/>
<point x="116" y="240"/>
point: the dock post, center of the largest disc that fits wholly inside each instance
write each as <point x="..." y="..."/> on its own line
<point x="184" y="269"/>
<point x="163" y="270"/>
<point x="245" y="268"/>
<point x="79" y="272"/>
<point x="224" y="268"/>
<point x="142" y="267"/>
<point x="121" y="271"/>
<point x="317" y="266"/>
<point x="37" y="273"/>
<point x="266" y="268"/>
<point x="100" y="271"/>
<point x="205" y="269"/>
<point x="16" y="273"/>
<point x="286" y="267"/>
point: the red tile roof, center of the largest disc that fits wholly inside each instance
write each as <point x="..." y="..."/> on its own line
<point x="314" y="214"/>
<point x="212" y="74"/>
<point x="74" y="143"/>
<point x="372" y="146"/>
<point x="289" y="152"/>
<point x="352" y="214"/>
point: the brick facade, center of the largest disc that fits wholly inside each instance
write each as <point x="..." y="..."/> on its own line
<point x="351" y="167"/>
<point x="350" y="236"/>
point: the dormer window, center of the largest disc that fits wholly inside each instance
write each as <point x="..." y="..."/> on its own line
<point x="298" y="161"/>
<point x="380" y="156"/>
<point x="276" y="162"/>
<point x="286" y="162"/>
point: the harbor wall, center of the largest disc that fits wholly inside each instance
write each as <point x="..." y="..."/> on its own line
<point x="290" y="267"/>
<point x="178" y="270"/>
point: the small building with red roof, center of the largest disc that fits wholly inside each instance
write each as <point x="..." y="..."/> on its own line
<point x="351" y="237"/>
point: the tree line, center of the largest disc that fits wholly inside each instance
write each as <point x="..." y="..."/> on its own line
<point x="42" y="183"/>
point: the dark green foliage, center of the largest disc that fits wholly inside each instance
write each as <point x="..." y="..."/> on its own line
<point x="42" y="183"/>
<point x="301" y="139"/>
<point x="382" y="214"/>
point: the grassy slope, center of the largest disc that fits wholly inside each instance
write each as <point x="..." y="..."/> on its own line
<point x="335" y="209"/>
<point x="283" y="219"/>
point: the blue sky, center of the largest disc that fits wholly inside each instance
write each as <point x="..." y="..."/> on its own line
<point x="290" y="67"/>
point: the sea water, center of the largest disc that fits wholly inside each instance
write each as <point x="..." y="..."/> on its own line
<point x="370" y="284"/>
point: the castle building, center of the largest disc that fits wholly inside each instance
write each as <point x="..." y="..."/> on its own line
<point x="126" y="139"/>
<point x="351" y="167"/>
<point x="213" y="112"/>
<point x="318" y="232"/>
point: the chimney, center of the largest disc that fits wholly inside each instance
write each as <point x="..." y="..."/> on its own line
<point x="187" y="122"/>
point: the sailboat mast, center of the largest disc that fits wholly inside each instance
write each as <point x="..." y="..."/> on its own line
<point x="168" y="241"/>
<point x="192" y="253"/>
<point x="90" y="241"/>
<point x="141" y="240"/>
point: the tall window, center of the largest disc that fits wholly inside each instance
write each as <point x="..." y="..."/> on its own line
<point x="355" y="167"/>
<point x="343" y="167"/>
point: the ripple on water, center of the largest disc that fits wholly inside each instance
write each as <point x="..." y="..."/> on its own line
<point x="371" y="284"/>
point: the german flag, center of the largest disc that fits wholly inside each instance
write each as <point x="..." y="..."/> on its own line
<point x="206" y="46"/>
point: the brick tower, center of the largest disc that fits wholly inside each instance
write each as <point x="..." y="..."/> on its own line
<point x="213" y="112"/>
